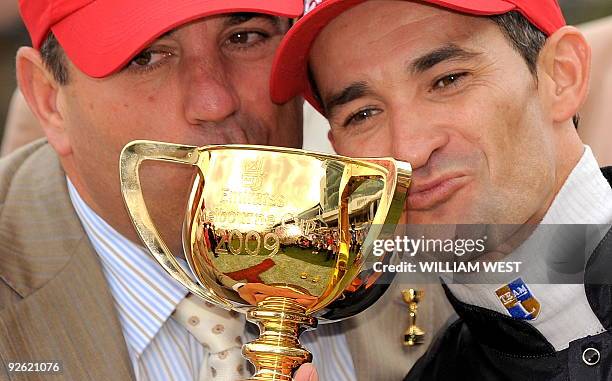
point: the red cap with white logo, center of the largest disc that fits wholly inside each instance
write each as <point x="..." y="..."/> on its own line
<point x="101" y="36"/>
<point x="290" y="69"/>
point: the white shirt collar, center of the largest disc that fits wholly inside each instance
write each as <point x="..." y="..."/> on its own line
<point x="584" y="198"/>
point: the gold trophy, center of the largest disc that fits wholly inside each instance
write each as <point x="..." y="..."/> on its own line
<point x="283" y="235"/>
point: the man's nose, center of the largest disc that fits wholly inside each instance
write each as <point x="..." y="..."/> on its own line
<point x="415" y="139"/>
<point x="209" y="95"/>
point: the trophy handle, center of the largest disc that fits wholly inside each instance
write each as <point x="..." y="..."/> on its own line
<point x="132" y="156"/>
<point x="397" y="182"/>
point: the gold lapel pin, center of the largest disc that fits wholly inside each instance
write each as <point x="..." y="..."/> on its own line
<point x="413" y="335"/>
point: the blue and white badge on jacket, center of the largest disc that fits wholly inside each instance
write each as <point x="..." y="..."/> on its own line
<point x="518" y="300"/>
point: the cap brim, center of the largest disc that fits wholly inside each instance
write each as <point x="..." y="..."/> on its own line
<point x="124" y="28"/>
<point x="289" y="76"/>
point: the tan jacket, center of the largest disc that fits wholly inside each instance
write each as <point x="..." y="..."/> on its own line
<point x="55" y="304"/>
<point x="54" y="301"/>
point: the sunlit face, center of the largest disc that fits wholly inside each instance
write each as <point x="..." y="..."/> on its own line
<point x="203" y="83"/>
<point x="447" y="93"/>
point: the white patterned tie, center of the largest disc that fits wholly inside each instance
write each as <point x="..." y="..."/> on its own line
<point x="221" y="333"/>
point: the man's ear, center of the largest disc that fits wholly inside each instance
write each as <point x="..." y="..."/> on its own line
<point x="566" y="60"/>
<point x="40" y="90"/>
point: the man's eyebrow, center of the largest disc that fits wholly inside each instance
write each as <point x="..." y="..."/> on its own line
<point x="240" y="18"/>
<point x="445" y="53"/>
<point x="348" y="94"/>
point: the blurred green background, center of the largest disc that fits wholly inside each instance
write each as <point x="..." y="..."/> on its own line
<point x="13" y="35"/>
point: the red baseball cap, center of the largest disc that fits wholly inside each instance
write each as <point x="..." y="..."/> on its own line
<point x="290" y="69"/>
<point x="101" y="36"/>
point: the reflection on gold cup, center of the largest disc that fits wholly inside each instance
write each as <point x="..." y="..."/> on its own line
<point x="292" y="231"/>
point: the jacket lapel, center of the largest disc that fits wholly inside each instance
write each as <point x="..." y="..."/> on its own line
<point x="67" y="313"/>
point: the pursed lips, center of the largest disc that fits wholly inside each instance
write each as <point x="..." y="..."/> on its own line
<point x="427" y="193"/>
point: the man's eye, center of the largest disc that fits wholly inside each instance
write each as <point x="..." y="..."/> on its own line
<point x="246" y="38"/>
<point x="449" y="80"/>
<point x="361" y="116"/>
<point x="148" y="58"/>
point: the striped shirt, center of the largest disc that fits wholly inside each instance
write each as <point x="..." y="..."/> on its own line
<point x="145" y="296"/>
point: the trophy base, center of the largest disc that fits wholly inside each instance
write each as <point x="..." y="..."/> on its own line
<point x="277" y="353"/>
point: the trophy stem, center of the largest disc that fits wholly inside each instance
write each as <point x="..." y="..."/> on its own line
<point x="277" y="353"/>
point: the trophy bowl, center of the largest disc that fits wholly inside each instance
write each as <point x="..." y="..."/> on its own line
<point x="282" y="235"/>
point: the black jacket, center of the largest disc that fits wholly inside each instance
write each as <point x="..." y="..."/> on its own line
<point x="486" y="345"/>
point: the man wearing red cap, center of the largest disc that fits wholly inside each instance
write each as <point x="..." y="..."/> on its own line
<point x="75" y="288"/>
<point x="481" y="97"/>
